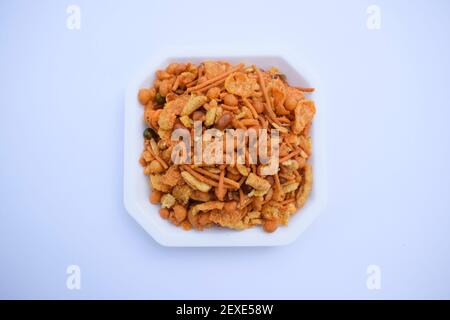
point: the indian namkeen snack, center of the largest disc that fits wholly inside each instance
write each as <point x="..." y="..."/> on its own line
<point x="232" y="194"/>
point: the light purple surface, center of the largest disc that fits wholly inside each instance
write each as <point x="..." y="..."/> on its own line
<point x="61" y="151"/>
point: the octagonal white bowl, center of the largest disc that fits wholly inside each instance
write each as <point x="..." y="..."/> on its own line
<point x="136" y="185"/>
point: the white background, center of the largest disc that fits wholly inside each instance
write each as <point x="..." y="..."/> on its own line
<point x="61" y="137"/>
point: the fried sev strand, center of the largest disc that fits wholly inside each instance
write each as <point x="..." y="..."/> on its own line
<point x="247" y="202"/>
<point x="216" y="78"/>
<point x="226" y="180"/>
<point x="157" y="158"/>
<point x="220" y="191"/>
<point x="200" y="177"/>
<point x="277" y="126"/>
<point x="251" y="107"/>
<point x="283" y="120"/>
<point x="267" y="105"/>
<point x="212" y="85"/>
<point x="289" y="144"/>
<point x="306" y="89"/>
<point x="192" y="83"/>
<point x="229" y="108"/>
<point x="290" y="155"/>
<point x="287" y="201"/>
<point x="249" y="122"/>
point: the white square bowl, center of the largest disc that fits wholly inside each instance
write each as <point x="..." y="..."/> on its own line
<point x="136" y="185"/>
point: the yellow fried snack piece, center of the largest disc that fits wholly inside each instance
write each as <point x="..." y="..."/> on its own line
<point x="240" y="84"/>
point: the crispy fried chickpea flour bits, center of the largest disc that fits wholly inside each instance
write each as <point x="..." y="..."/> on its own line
<point x="235" y="194"/>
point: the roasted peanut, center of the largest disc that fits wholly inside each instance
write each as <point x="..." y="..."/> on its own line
<point x="198" y="115"/>
<point x="224" y="121"/>
<point x="200" y="196"/>
<point x="230" y="100"/>
<point x="259" y="106"/>
<point x="179" y="125"/>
